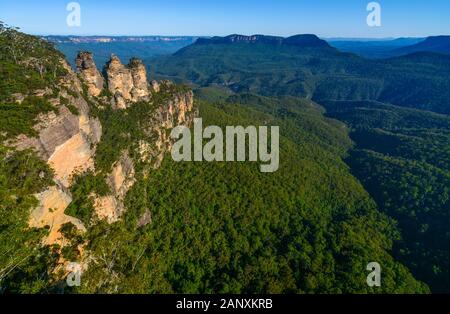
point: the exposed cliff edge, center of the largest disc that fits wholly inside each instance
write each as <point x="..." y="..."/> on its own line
<point x="67" y="138"/>
<point x="305" y="40"/>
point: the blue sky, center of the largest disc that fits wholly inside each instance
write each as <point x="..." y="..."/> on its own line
<point x="326" y="18"/>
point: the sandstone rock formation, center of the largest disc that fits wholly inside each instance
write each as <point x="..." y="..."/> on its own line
<point x="145" y="219"/>
<point x="140" y="83"/>
<point x="179" y="110"/>
<point x="119" y="80"/>
<point x="88" y="71"/>
<point x="120" y="180"/>
<point x="127" y="83"/>
<point x="50" y="212"/>
<point x="155" y="86"/>
<point x="67" y="139"/>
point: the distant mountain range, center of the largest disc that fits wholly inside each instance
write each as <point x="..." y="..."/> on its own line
<point x="373" y="49"/>
<point x="125" y="47"/>
<point x="306" y="66"/>
<point x="149" y="46"/>
<point x="438" y="44"/>
<point x="120" y="39"/>
<point x="401" y="150"/>
<point x="307" y="40"/>
<point x="378" y="49"/>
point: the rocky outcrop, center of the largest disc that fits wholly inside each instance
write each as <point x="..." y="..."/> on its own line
<point x="89" y="73"/>
<point x="155" y="86"/>
<point x="140" y="84"/>
<point x="120" y="180"/>
<point x="67" y="142"/>
<point x="108" y="208"/>
<point x="67" y="138"/>
<point x="179" y="110"/>
<point x="50" y="212"/>
<point x="145" y="219"/>
<point x="119" y="80"/>
<point x="126" y="83"/>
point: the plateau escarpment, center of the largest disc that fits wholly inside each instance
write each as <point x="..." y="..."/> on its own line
<point x="68" y="137"/>
<point x="184" y="227"/>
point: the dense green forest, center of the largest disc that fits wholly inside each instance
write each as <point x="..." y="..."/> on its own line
<point x="321" y="73"/>
<point x="225" y="227"/>
<point x="27" y="64"/>
<point x="401" y="155"/>
<point x="374" y="189"/>
<point x="402" y="158"/>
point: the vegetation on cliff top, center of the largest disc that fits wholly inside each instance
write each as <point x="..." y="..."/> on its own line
<point x="27" y="65"/>
<point x="216" y="227"/>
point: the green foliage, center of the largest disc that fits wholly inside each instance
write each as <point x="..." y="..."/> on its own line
<point x="25" y="264"/>
<point x="74" y="110"/>
<point x="27" y="63"/>
<point x="20" y="118"/>
<point x="82" y="205"/>
<point x="71" y="250"/>
<point x="227" y="228"/>
<point x="403" y="159"/>
<point x="417" y="81"/>
<point x="122" y="129"/>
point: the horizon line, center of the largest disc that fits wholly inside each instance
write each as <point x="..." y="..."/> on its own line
<point x="210" y="36"/>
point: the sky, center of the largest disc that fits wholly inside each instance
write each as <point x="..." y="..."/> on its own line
<point x="325" y="18"/>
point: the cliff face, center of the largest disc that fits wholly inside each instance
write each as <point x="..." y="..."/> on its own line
<point x="139" y="75"/>
<point x="88" y="71"/>
<point x="67" y="141"/>
<point x="68" y="138"/>
<point x="126" y="83"/>
<point x="119" y="80"/>
<point x="306" y="40"/>
<point x="120" y="180"/>
<point x="177" y="111"/>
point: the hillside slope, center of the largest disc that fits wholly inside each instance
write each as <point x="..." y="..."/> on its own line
<point x="401" y="152"/>
<point x="316" y="71"/>
<point x="403" y="159"/>
<point x="68" y="156"/>
<point x="84" y="179"/>
<point x="437" y="44"/>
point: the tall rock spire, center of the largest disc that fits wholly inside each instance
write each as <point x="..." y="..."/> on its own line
<point x="140" y="83"/>
<point x="89" y="73"/>
<point x="127" y="83"/>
